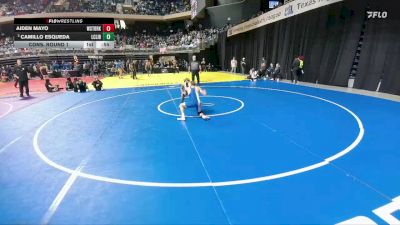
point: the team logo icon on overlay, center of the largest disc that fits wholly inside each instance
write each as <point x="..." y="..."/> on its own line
<point x="289" y="10"/>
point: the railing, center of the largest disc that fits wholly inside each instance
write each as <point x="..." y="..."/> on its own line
<point x="123" y="51"/>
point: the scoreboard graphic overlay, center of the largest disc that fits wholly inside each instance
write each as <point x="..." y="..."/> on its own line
<point x="73" y="33"/>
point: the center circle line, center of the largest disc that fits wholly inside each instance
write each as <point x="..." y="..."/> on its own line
<point x="210" y="115"/>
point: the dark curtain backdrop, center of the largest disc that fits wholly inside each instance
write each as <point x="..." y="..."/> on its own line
<point x="327" y="38"/>
<point x="380" y="54"/>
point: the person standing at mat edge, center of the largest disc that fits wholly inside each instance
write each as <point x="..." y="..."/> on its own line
<point x="195" y="69"/>
<point x="243" y="66"/>
<point x="233" y="65"/>
<point x="296" y="70"/>
<point x="21" y="73"/>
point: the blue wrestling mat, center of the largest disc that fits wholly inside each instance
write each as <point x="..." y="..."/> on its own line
<point x="272" y="153"/>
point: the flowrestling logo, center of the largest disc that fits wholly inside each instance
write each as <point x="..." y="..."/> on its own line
<point x="387" y="213"/>
<point x="377" y="14"/>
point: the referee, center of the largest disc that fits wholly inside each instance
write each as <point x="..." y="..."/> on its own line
<point x="195" y="69"/>
<point x="21" y="73"/>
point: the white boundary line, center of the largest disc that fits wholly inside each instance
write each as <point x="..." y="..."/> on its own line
<point x="203" y="164"/>
<point x="9" y="144"/>
<point x="201" y="184"/>
<point x="210" y="115"/>
<point x="60" y="196"/>
<point x="10" y="107"/>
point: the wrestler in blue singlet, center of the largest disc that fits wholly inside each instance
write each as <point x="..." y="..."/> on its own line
<point x="192" y="99"/>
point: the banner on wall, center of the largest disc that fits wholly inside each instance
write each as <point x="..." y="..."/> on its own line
<point x="291" y="9"/>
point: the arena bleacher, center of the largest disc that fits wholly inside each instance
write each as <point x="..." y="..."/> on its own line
<point x="140" y="7"/>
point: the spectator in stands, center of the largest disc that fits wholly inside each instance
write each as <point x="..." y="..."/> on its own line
<point x="262" y="72"/>
<point x="301" y="58"/>
<point x="69" y="86"/>
<point x="210" y="67"/>
<point x="50" y="87"/>
<point x="81" y="86"/>
<point x="270" y="70"/>
<point x="54" y="66"/>
<point x="148" y="67"/>
<point x="97" y="84"/>
<point x="75" y="62"/>
<point x="203" y="65"/>
<point x="76" y="84"/>
<point x="113" y="70"/>
<point x="175" y="66"/>
<point x="96" y="69"/>
<point x="119" y="69"/>
<point x="261" y="62"/>
<point x="276" y="74"/>
<point x="4" y="76"/>
<point x="10" y="71"/>
<point x="253" y="74"/>
<point x="141" y="7"/>
<point x="132" y="68"/>
<point x="86" y="69"/>
<point x="243" y="65"/>
<point x="43" y="71"/>
<point x="32" y="70"/>
<point x="233" y="65"/>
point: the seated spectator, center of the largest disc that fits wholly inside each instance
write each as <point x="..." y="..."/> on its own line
<point x="50" y="87"/>
<point x="69" y="86"/>
<point x="270" y="70"/>
<point x="262" y="72"/>
<point x="4" y="76"/>
<point x="113" y="71"/>
<point x="96" y="69"/>
<point x="209" y="67"/>
<point x="253" y="74"/>
<point x="203" y="65"/>
<point x="276" y="75"/>
<point x="97" y="84"/>
<point x="175" y="66"/>
<point x="75" y="83"/>
<point x="82" y="86"/>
